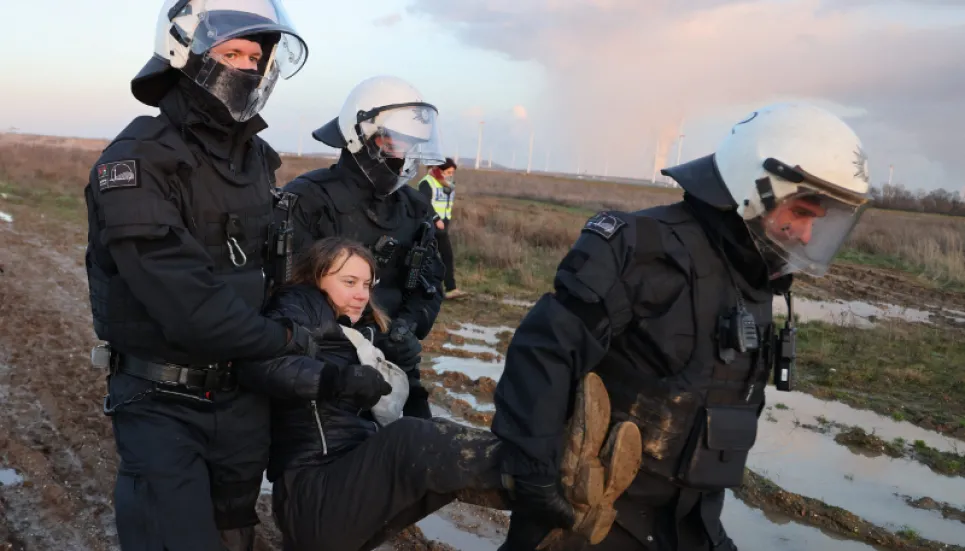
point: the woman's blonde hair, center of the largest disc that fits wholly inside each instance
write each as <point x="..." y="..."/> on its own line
<point x="320" y="260"/>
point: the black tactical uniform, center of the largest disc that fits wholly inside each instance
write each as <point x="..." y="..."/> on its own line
<point x="179" y="209"/>
<point x="655" y="302"/>
<point x="341" y="201"/>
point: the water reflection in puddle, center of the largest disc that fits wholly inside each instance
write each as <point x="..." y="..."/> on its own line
<point x="814" y="465"/>
<point x="437" y="528"/>
<point x="755" y="530"/>
<point x="489" y="335"/>
<point x="472" y="348"/>
<point x="472" y="367"/>
<point x="9" y="477"/>
<point x="848" y="313"/>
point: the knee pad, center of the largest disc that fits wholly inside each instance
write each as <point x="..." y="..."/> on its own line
<point x="234" y="504"/>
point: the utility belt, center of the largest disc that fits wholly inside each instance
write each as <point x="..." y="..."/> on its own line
<point x="192" y="384"/>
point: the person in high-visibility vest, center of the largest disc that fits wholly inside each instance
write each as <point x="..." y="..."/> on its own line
<point x="438" y="187"/>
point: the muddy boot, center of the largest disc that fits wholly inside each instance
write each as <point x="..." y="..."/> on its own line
<point x="581" y="471"/>
<point x="592" y="478"/>
<point x="621" y="457"/>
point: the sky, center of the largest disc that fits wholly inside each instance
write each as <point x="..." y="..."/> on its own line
<point x="601" y="86"/>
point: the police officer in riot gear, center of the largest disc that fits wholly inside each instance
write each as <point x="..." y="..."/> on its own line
<point x="672" y="307"/>
<point x="384" y="131"/>
<point x="179" y="213"/>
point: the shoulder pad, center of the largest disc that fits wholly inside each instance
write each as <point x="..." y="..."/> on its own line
<point x="146" y="146"/>
<point x="606" y="224"/>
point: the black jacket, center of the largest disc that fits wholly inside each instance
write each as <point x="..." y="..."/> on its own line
<point x="169" y="202"/>
<point x="340" y="200"/>
<point x="305" y="431"/>
<point x="637" y="299"/>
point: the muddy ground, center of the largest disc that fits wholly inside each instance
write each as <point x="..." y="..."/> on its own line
<point x="59" y="445"/>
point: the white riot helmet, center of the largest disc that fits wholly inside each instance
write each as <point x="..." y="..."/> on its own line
<point x="800" y="179"/>
<point x="388" y="128"/>
<point x="187" y="31"/>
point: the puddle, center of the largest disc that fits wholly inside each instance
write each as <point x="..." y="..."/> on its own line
<point x="9" y="477"/>
<point x="755" y="530"/>
<point x="517" y="302"/>
<point x="472" y="348"/>
<point x="807" y="408"/>
<point x="849" y="313"/>
<point x="481" y="333"/>
<point x="437" y="528"/>
<point x="5" y="217"/>
<point x="814" y="465"/>
<point x="471" y="367"/>
<point x="473" y="401"/>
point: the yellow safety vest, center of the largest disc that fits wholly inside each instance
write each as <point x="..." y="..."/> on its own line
<point x="441" y="200"/>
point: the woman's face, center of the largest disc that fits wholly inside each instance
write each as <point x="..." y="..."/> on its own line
<point x="349" y="287"/>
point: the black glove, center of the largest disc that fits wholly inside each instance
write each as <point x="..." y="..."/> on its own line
<point x="417" y="404"/>
<point x="400" y="345"/>
<point x="540" y="497"/>
<point x="361" y="385"/>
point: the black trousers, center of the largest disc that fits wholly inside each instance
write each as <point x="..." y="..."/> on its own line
<point x="445" y="249"/>
<point x="404" y="473"/>
<point x="189" y="476"/>
<point x="652" y="515"/>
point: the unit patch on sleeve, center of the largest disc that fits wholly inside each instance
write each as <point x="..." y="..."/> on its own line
<point x="117" y="175"/>
<point x="604" y="224"/>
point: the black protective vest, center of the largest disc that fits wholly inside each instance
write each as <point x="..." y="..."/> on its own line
<point x="697" y="414"/>
<point x="230" y="219"/>
<point x="354" y="215"/>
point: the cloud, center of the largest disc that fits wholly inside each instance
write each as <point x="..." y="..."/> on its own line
<point x="388" y="20"/>
<point x="623" y="71"/>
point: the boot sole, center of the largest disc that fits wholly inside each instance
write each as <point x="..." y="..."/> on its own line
<point x="581" y="472"/>
<point x="621" y="458"/>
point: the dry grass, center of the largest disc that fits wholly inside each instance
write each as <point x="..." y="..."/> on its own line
<point x="517" y="241"/>
<point x="930" y="243"/>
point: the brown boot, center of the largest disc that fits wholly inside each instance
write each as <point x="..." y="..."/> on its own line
<point x="581" y="471"/>
<point x="621" y="457"/>
<point x="594" y="475"/>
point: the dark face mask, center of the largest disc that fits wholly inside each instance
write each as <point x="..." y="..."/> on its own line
<point x="233" y="87"/>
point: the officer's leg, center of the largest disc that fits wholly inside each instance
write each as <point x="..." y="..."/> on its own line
<point x="238" y="458"/>
<point x="408" y="470"/>
<point x="162" y="496"/>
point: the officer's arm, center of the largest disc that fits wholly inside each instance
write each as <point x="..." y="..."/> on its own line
<point x="564" y="336"/>
<point x="170" y="273"/>
<point x="286" y="377"/>
<point x="418" y="307"/>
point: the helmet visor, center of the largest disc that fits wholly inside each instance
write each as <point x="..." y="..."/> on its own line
<point x="206" y="24"/>
<point x="803" y="232"/>
<point x="408" y="132"/>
